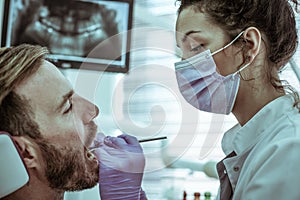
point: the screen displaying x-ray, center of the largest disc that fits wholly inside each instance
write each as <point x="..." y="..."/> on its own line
<point x="85" y="34"/>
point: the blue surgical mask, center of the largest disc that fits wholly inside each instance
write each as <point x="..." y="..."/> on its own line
<point x="203" y="87"/>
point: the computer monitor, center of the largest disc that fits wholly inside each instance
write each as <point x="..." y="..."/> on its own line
<point x="80" y="34"/>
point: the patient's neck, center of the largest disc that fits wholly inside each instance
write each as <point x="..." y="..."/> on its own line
<point x="36" y="189"/>
<point x="34" y="196"/>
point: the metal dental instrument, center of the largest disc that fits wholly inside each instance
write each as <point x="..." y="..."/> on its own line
<point x="140" y="141"/>
<point x="152" y="139"/>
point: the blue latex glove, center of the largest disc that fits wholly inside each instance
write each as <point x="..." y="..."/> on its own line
<point x="121" y="164"/>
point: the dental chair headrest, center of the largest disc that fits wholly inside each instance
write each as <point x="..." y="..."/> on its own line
<point x="13" y="172"/>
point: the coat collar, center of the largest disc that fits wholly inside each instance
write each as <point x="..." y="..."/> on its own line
<point x="240" y="138"/>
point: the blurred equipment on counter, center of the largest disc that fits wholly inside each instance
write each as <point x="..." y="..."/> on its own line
<point x="197" y="196"/>
<point x="209" y="168"/>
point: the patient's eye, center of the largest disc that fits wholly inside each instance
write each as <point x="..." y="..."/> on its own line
<point x="69" y="107"/>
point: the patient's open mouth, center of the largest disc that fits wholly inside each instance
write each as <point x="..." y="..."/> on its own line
<point x="90" y="151"/>
<point x="91" y="156"/>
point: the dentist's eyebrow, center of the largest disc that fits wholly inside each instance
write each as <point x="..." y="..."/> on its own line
<point x="65" y="98"/>
<point x="187" y="34"/>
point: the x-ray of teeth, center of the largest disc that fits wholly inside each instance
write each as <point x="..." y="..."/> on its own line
<point x="80" y="34"/>
<point x="69" y="27"/>
<point x="70" y="30"/>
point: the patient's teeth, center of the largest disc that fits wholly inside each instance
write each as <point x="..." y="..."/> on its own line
<point x="91" y="156"/>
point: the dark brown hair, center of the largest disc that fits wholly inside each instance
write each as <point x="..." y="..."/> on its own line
<point x="274" y="18"/>
<point x="16" y="65"/>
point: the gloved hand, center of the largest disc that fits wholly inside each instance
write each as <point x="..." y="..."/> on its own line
<point x="122" y="163"/>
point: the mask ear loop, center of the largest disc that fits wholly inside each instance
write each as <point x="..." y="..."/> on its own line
<point x="241" y="69"/>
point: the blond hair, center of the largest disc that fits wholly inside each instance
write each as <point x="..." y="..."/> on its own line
<point x="17" y="64"/>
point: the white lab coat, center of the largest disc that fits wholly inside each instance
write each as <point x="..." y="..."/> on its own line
<point x="267" y="165"/>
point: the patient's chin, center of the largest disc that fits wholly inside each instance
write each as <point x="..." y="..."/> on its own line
<point x="69" y="168"/>
<point x="85" y="176"/>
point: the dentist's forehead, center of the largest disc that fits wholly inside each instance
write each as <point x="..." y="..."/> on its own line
<point x="189" y="22"/>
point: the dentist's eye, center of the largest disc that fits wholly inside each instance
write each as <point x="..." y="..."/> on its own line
<point x="69" y="108"/>
<point x="198" y="48"/>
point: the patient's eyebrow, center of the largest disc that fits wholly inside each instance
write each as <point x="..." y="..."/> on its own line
<point x="65" y="98"/>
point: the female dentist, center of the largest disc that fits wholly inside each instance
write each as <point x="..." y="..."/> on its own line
<point x="232" y="51"/>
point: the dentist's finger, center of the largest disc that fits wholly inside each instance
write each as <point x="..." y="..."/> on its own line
<point x="129" y="139"/>
<point x="114" y="142"/>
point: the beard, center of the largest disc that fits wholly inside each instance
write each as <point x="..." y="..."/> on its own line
<point x="69" y="168"/>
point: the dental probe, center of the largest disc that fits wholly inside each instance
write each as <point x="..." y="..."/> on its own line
<point x="152" y="139"/>
<point x="140" y="141"/>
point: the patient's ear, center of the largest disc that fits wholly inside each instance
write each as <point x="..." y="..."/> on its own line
<point x="28" y="151"/>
